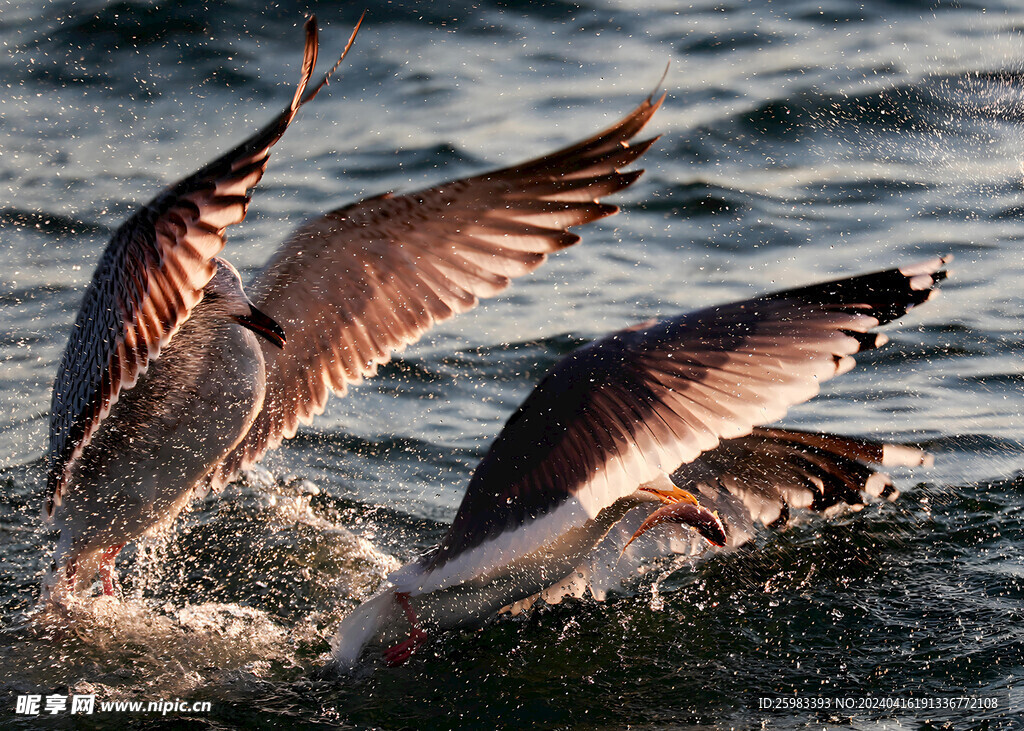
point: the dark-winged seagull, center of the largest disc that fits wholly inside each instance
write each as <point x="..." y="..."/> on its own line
<point x="662" y="422"/>
<point x="173" y="380"/>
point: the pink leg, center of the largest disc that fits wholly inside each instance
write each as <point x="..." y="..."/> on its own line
<point x="401" y="652"/>
<point x="107" y="574"/>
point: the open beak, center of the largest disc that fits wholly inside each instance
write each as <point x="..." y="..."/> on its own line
<point x="263" y="326"/>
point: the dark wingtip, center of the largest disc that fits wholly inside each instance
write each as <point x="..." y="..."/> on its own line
<point x="567" y="239"/>
<point x="629" y="177"/>
<point x="867" y="340"/>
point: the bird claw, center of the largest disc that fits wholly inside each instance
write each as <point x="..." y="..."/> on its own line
<point x="401" y="652"/>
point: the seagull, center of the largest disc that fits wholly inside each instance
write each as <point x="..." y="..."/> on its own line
<point x="175" y="377"/>
<point x="665" y="423"/>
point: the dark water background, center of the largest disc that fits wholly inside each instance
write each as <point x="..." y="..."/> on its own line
<point x="801" y="140"/>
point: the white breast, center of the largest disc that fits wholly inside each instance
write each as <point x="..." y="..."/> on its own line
<point x="187" y="412"/>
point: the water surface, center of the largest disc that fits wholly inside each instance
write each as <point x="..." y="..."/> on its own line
<point x="799" y="141"/>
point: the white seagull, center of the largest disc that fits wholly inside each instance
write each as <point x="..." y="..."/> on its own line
<point x="164" y="390"/>
<point x="660" y="423"/>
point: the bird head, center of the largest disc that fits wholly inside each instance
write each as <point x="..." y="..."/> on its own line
<point x="226" y="286"/>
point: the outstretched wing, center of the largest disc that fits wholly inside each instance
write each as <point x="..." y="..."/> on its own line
<point x="368" y="279"/>
<point x="631" y="407"/>
<point x="761" y="477"/>
<point x="745" y="481"/>
<point x="149" y="278"/>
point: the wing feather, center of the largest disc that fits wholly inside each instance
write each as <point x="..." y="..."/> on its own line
<point x="149" y="278"/>
<point x="625" y="409"/>
<point x="758" y="478"/>
<point x="377" y="274"/>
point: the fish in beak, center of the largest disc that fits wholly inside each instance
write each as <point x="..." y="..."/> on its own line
<point x="686" y="511"/>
